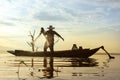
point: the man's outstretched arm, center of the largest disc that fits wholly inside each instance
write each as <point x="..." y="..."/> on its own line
<point x="59" y="36"/>
<point x="42" y="31"/>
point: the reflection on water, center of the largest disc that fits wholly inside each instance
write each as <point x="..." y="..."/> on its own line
<point x="83" y="62"/>
<point x="49" y="71"/>
<point x="50" y="67"/>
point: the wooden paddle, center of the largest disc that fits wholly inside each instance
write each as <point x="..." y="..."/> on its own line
<point x="111" y="57"/>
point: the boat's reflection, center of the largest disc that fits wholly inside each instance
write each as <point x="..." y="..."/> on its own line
<point x="49" y="70"/>
<point x="82" y="62"/>
<point x="74" y="62"/>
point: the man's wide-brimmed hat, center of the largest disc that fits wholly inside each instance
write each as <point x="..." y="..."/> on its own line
<point x="51" y="27"/>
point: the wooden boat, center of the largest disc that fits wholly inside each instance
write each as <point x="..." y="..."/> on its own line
<point x="80" y="53"/>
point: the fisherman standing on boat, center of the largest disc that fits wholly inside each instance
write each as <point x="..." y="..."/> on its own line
<point x="49" y="35"/>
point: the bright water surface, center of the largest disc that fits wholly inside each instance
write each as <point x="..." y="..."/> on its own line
<point x="97" y="67"/>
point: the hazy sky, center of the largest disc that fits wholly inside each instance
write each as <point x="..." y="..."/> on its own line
<point x="88" y="23"/>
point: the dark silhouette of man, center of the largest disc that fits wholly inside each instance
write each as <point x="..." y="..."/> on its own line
<point x="49" y="35"/>
<point x="49" y="43"/>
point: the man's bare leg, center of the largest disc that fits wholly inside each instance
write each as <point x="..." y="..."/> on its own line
<point x="45" y="58"/>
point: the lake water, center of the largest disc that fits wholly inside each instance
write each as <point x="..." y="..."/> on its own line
<point x="97" y="67"/>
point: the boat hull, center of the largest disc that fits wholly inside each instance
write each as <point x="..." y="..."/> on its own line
<point x="80" y="53"/>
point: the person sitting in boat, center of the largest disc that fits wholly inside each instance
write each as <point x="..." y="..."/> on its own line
<point x="49" y="35"/>
<point x="74" y="47"/>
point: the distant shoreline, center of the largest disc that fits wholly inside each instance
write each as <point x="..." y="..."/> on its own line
<point x="105" y="53"/>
